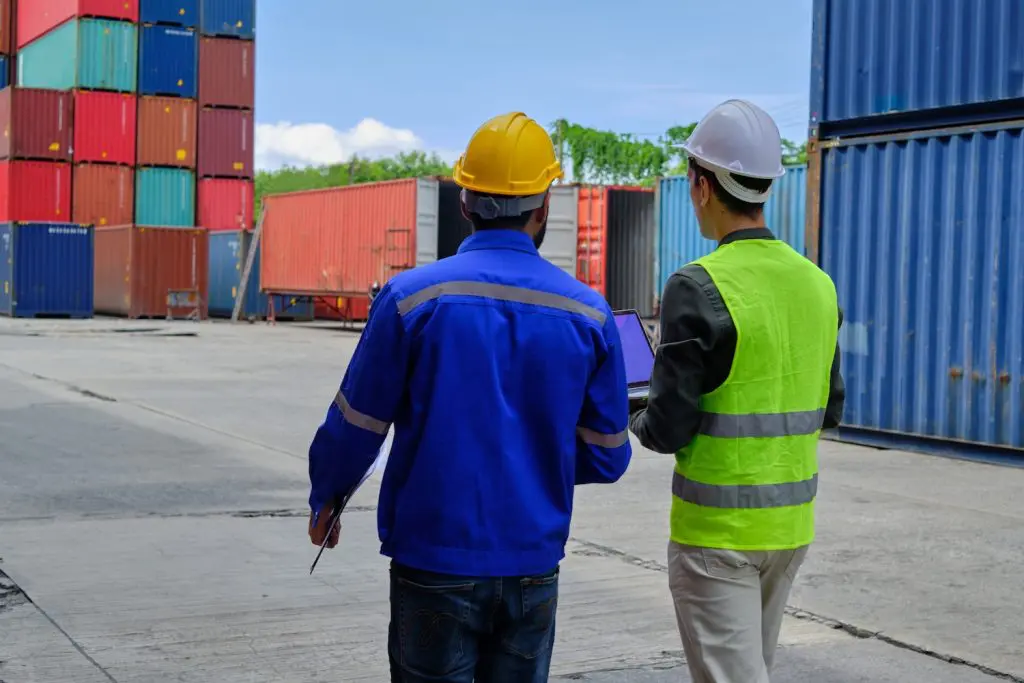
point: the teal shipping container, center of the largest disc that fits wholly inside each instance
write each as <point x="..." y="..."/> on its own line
<point x="679" y="238"/>
<point x="165" y="197"/>
<point x="228" y="251"/>
<point x="94" y="54"/>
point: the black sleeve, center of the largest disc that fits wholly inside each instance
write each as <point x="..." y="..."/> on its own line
<point x="836" y="390"/>
<point x="689" y="331"/>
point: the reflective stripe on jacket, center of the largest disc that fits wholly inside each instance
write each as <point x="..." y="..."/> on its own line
<point x="748" y="480"/>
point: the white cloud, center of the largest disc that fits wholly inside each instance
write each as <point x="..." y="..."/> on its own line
<point x="303" y="144"/>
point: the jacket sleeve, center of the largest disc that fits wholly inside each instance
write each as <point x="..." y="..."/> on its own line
<point x="603" y="450"/>
<point x="836" y="389"/>
<point x="689" y="335"/>
<point x="347" y="443"/>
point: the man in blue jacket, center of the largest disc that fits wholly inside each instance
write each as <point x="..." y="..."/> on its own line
<point x="504" y="380"/>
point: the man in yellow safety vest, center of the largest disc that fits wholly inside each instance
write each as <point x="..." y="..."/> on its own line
<point x="746" y="376"/>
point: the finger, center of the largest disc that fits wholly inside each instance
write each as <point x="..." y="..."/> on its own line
<point x="335" y="535"/>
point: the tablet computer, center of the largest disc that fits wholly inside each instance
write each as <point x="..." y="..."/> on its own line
<point x="637" y="351"/>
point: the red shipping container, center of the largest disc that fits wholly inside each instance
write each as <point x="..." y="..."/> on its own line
<point x="105" y="127"/>
<point x="35" y="191"/>
<point x="226" y="143"/>
<point x="6" y="16"/>
<point x="103" y="194"/>
<point x="227" y="73"/>
<point x="36" y="124"/>
<point x="339" y="240"/>
<point x="36" y="17"/>
<point x="167" y="132"/>
<point x="137" y="266"/>
<point x="225" y="204"/>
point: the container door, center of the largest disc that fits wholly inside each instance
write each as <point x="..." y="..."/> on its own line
<point x="427" y="194"/>
<point x="592" y="239"/>
<point x="563" y="227"/>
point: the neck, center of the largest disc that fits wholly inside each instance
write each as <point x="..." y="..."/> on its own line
<point x="732" y="224"/>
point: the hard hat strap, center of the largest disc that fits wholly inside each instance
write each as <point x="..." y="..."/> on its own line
<point x="489" y="207"/>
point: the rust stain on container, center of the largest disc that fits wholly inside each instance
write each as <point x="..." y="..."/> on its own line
<point x="35" y="124"/>
<point x="338" y="241"/>
<point x="136" y="267"/>
<point x="227" y="73"/>
<point x="167" y="132"/>
<point x="103" y="194"/>
<point x="812" y="229"/>
<point x="225" y="143"/>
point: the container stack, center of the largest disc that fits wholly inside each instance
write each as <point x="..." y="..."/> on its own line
<point x="103" y="129"/>
<point x="48" y="261"/>
<point x="914" y="207"/>
<point x="225" y="152"/>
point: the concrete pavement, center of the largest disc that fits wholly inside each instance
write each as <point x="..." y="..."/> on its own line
<point x="152" y="528"/>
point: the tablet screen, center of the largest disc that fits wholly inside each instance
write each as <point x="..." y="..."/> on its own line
<point x="636" y="349"/>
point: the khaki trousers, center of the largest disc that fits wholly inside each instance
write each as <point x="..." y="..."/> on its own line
<point x="729" y="605"/>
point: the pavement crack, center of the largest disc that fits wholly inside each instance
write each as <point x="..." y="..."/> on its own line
<point x="589" y="548"/>
<point x="9" y="587"/>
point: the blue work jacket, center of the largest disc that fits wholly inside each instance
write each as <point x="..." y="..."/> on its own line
<point x="504" y="380"/>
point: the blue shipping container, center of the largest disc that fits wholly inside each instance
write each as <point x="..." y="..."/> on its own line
<point x="5" y="71"/>
<point x="96" y="54"/>
<point x="167" y="61"/>
<point x="873" y="57"/>
<point x="679" y="238"/>
<point x="922" y="235"/>
<point x="174" y="12"/>
<point x="165" y="197"/>
<point x="228" y="18"/>
<point x="46" y="270"/>
<point x="228" y="251"/>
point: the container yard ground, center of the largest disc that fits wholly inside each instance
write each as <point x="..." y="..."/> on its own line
<point x="152" y="507"/>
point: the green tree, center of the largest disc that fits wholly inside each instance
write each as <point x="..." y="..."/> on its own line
<point x="357" y="170"/>
<point x="599" y="156"/>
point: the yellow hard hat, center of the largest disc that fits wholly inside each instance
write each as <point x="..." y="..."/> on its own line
<point x="509" y="155"/>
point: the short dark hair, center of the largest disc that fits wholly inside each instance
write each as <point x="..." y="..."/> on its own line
<point x="734" y="205"/>
<point x="503" y="223"/>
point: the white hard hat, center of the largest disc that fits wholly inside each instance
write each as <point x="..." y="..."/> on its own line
<point x="738" y="137"/>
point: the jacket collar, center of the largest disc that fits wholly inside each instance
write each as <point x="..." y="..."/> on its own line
<point x="498" y="238"/>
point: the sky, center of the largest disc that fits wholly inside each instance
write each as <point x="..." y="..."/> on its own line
<point x="341" y="77"/>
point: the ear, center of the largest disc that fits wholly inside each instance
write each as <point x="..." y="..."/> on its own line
<point x="704" y="190"/>
<point x="465" y="214"/>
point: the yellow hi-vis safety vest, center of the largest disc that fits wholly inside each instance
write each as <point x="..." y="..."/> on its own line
<point x="748" y="480"/>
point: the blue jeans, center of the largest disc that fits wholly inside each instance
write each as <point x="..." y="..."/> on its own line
<point x="457" y="629"/>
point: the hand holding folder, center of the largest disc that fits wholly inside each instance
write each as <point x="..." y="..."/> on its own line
<point x="325" y="529"/>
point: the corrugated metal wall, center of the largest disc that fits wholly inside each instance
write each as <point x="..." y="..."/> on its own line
<point x="630" y="256"/>
<point x="47" y="270"/>
<point x="679" y="238"/>
<point x="922" y="234"/>
<point x="883" y="56"/>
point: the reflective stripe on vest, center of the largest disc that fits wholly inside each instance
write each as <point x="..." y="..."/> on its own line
<point x="749" y="478"/>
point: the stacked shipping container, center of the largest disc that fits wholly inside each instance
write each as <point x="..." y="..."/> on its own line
<point x="226" y="92"/>
<point x="915" y="208"/>
<point x="123" y="96"/>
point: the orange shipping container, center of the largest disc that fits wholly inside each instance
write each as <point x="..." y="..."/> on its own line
<point x="103" y="194"/>
<point x="167" y="132"/>
<point x="136" y="267"/>
<point x="616" y="245"/>
<point x="338" y="241"/>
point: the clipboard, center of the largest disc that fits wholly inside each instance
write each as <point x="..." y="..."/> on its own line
<point x="339" y="507"/>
